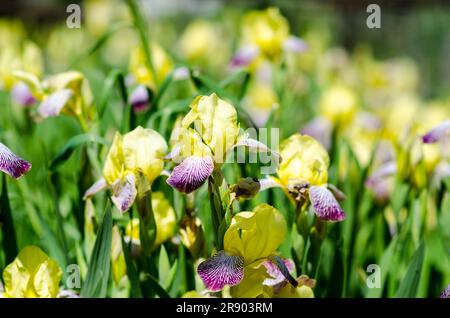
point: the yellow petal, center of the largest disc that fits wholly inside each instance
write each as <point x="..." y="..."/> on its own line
<point x="114" y="164"/>
<point x="289" y="291"/>
<point x="267" y="29"/>
<point x="251" y="285"/>
<point x="216" y="121"/>
<point x="255" y="235"/>
<point x="303" y="159"/>
<point x="164" y="217"/>
<point x="143" y="151"/>
<point x="32" y="274"/>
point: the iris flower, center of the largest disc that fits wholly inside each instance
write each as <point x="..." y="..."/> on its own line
<point x="252" y="238"/>
<point x="200" y="149"/>
<point x="303" y="175"/>
<point x="32" y="275"/>
<point x="12" y="164"/>
<point x="134" y="161"/>
<point x="265" y="35"/>
<point x="66" y="93"/>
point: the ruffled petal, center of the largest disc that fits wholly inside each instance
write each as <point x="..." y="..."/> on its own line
<point x="11" y="164"/>
<point x="53" y="104"/>
<point x="325" y="204"/>
<point x="191" y="173"/>
<point x="124" y="193"/>
<point x="437" y="133"/>
<point x="95" y="188"/>
<point x="275" y="273"/>
<point x="220" y="270"/>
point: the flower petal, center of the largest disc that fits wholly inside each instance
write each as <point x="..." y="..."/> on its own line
<point x="140" y="99"/>
<point x="220" y="270"/>
<point x="295" y="44"/>
<point x="11" y="164"/>
<point x="275" y="273"/>
<point x="54" y="103"/>
<point x="190" y="174"/>
<point x="95" y="188"/>
<point x="446" y="293"/>
<point x="244" y="56"/>
<point x="124" y="193"/>
<point x="437" y="133"/>
<point x="21" y="94"/>
<point x="325" y="205"/>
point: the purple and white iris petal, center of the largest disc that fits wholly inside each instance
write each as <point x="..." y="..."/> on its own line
<point x="54" y="103"/>
<point x="244" y="56"/>
<point x="191" y="173"/>
<point x="275" y="273"/>
<point x="140" y="99"/>
<point x="446" y="293"/>
<point x="257" y="146"/>
<point x="325" y="204"/>
<point x="124" y="193"/>
<point x="12" y="164"/>
<point x="437" y="133"/>
<point x="95" y="188"/>
<point x="221" y="270"/>
<point x="21" y="94"/>
<point x="295" y="44"/>
<point x="384" y="171"/>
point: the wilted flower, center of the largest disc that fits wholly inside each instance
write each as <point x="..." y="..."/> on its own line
<point x="245" y="188"/>
<point x="251" y="239"/>
<point x="32" y="275"/>
<point x="12" y="164"/>
<point x="201" y="149"/>
<point x="134" y="161"/>
<point x="303" y="174"/>
<point x="192" y="235"/>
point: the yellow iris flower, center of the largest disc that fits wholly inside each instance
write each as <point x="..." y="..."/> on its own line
<point x="32" y="275"/>
<point x="252" y="238"/>
<point x="133" y="162"/>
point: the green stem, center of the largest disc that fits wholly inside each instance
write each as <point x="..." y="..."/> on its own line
<point x="147" y="223"/>
<point x="140" y="25"/>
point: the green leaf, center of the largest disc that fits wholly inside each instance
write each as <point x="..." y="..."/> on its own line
<point x="7" y="226"/>
<point x="71" y="146"/>
<point x="164" y="269"/>
<point x="155" y="286"/>
<point x="96" y="283"/>
<point x="410" y="283"/>
<point x="133" y="277"/>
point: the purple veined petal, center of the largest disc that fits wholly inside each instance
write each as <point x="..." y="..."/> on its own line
<point x="445" y="293"/>
<point x="325" y="204"/>
<point x="53" y="104"/>
<point x="95" y="188"/>
<point x="320" y="129"/>
<point x="437" y="133"/>
<point x="12" y="164"/>
<point x="220" y="270"/>
<point x="124" y="193"/>
<point x="275" y="273"/>
<point x="140" y="99"/>
<point x="295" y="44"/>
<point x="244" y="56"/>
<point x="191" y="173"/>
<point x="21" y="94"/>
